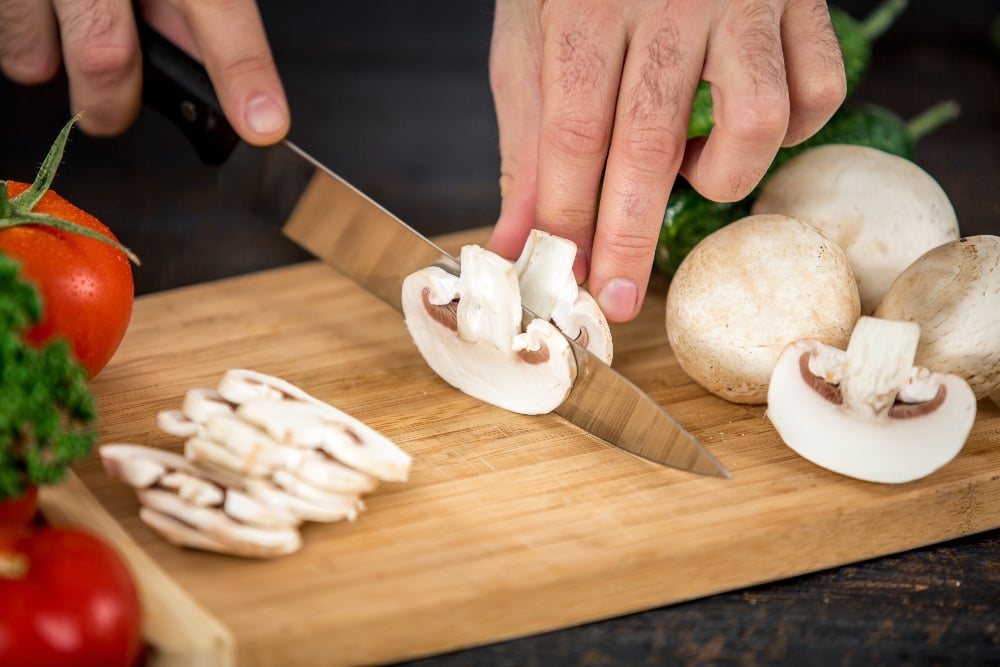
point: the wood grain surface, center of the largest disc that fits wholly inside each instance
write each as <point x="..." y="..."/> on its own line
<point x="509" y="525"/>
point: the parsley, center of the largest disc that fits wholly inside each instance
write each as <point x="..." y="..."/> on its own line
<point x="47" y="412"/>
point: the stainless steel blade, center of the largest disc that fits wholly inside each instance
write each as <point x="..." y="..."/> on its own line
<point x="339" y="224"/>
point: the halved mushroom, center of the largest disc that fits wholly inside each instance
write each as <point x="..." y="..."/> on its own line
<point x="868" y="412"/>
<point x="468" y="329"/>
<point x="953" y="293"/>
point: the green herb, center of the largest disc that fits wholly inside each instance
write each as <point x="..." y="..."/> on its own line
<point x="46" y="409"/>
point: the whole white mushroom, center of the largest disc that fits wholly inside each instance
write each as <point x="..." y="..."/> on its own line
<point x="748" y="290"/>
<point x="953" y="293"/>
<point x="883" y="210"/>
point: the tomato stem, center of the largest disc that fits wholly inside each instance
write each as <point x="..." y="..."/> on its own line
<point x="13" y="565"/>
<point x="19" y="210"/>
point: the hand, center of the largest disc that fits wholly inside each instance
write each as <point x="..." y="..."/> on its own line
<point x="100" y="49"/>
<point x="593" y="99"/>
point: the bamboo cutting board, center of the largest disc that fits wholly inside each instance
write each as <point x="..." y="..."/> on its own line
<point x="509" y="525"/>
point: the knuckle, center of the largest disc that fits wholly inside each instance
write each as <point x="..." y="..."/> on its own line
<point x="582" y="136"/>
<point x="628" y="245"/>
<point x="759" y="121"/>
<point x="650" y="152"/>
<point x="826" y="91"/>
<point x="564" y="216"/>
<point x="104" y="59"/>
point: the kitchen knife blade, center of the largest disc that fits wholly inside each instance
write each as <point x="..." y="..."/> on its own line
<point x="342" y="226"/>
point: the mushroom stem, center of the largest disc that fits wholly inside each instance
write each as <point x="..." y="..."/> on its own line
<point x="878" y="364"/>
<point x="489" y="309"/>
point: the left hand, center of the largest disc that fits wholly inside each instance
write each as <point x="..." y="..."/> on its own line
<point x="593" y="99"/>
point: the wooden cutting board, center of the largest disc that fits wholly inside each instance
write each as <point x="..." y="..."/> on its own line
<point x="509" y="525"/>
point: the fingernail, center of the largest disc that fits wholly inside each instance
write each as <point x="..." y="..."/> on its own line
<point x="264" y="116"/>
<point x="618" y="299"/>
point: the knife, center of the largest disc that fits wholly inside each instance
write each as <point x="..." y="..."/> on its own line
<point x="339" y="224"/>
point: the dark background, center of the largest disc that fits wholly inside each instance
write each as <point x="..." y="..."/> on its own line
<point x="394" y="95"/>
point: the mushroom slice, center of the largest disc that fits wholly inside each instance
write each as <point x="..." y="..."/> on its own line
<point x="232" y="536"/>
<point x="548" y="289"/>
<point x="344" y="438"/>
<point x="275" y="497"/>
<point x="867" y="412"/>
<point x="146" y="467"/>
<point x="245" y="440"/>
<point x="201" y="403"/>
<point x="319" y="469"/>
<point x="175" y="422"/>
<point x="468" y="330"/>
<point x="345" y="505"/>
<point x="239" y="385"/>
<point x="203" y="451"/>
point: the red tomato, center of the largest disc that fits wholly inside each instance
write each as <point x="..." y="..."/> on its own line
<point x="86" y="286"/>
<point x="73" y="603"/>
<point x="19" y="511"/>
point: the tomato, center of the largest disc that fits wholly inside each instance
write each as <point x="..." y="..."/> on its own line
<point x="86" y="286"/>
<point x="19" y="511"/>
<point x="66" y="600"/>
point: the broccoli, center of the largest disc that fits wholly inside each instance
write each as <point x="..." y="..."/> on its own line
<point x="47" y="413"/>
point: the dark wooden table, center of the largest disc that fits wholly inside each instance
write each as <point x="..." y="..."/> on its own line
<point x="394" y="95"/>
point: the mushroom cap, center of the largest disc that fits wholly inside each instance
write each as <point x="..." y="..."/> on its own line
<point x="953" y="293"/>
<point x="748" y="290"/>
<point x="531" y="374"/>
<point x="887" y="450"/>
<point x="883" y="210"/>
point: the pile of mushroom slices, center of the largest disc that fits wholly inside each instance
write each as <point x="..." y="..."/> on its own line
<point x="261" y="457"/>
<point x="848" y="302"/>
<point x="469" y="327"/>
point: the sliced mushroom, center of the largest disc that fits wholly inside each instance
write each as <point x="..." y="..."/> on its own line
<point x="212" y="523"/>
<point x="868" y="412"/>
<point x="260" y="457"/>
<point x="346" y="439"/>
<point x="548" y="289"/>
<point x="192" y="507"/>
<point x="175" y="422"/>
<point x="468" y="329"/>
<point x="953" y="293"/>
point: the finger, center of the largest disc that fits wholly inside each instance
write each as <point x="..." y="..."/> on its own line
<point x="515" y="79"/>
<point x="745" y="66"/>
<point x="100" y="49"/>
<point x="817" y="83"/>
<point x="233" y="45"/>
<point x="660" y="75"/>
<point x="584" y="47"/>
<point x="29" y="41"/>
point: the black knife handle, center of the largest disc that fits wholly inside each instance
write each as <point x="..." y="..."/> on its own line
<point x="178" y="87"/>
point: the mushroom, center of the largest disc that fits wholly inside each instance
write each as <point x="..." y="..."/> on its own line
<point x="549" y="290"/>
<point x="468" y="330"/>
<point x="284" y="410"/>
<point x="883" y="210"/>
<point x="191" y="506"/>
<point x="260" y="456"/>
<point x="953" y="293"/>
<point x="868" y="412"/>
<point x="749" y="289"/>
